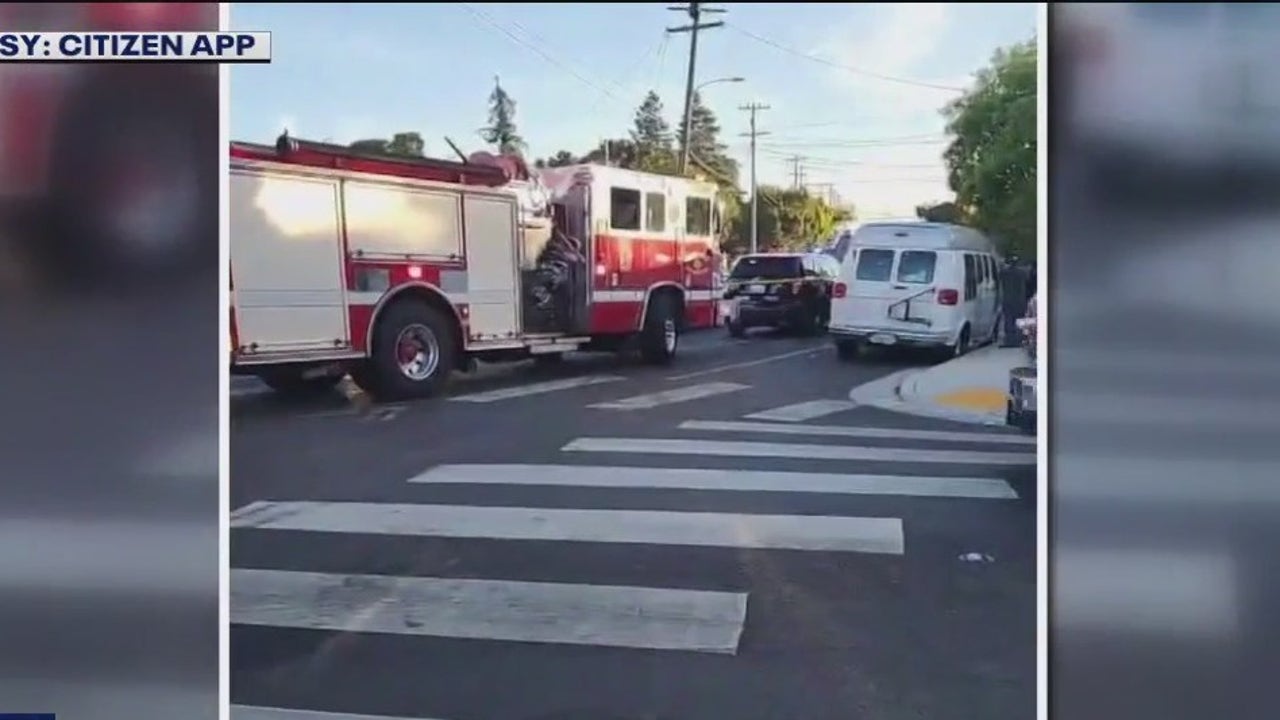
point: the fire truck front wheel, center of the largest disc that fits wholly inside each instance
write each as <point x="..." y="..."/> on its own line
<point x="661" y="333"/>
<point x="413" y="353"/>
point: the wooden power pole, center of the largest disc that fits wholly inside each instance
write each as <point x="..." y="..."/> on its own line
<point x="695" y="11"/>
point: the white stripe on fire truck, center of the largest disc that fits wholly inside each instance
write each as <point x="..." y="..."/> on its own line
<point x="536" y="388"/>
<point x="668" y="397"/>
<point x="621" y="296"/>
<point x="566" y="613"/>
<point x="604" y="476"/>
<point x="646" y="527"/>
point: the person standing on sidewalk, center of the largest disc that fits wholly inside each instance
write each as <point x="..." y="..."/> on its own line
<point x="1013" y="299"/>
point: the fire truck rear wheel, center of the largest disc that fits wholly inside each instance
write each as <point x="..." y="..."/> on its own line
<point x="661" y="334"/>
<point x="413" y="354"/>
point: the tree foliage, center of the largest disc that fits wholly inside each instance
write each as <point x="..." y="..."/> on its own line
<point x="790" y="219"/>
<point x="943" y="212"/>
<point x="501" y="131"/>
<point x="403" y="144"/>
<point x="992" y="159"/>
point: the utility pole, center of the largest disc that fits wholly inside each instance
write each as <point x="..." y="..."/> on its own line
<point x="795" y="171"/>
<point x="695" y="10"/>
<point x="754" y="108"/>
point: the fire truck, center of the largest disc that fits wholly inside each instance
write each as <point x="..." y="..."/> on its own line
<point x="111" y="170"/>
<point x="399" y="271"/>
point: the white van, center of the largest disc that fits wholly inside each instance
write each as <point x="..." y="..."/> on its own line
<point x="918" y="284"/>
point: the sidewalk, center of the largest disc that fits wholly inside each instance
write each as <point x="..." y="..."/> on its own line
<point x="969" y="389"/>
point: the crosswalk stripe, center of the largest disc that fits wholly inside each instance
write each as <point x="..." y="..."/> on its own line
<point x="729" y="480"/>
<point x="651" y="527"/>
<point x="799" y="412"/>
<point x="794" y="450"/>
<point x="669" y="397"/>
<point x="564" y="613"/>
<point x="536" y="388"/>
<point x="858" y="432"/>
<point x="252" y="712"/>
<point x="1146" y="592"/>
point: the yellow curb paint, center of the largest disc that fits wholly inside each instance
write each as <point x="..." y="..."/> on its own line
<point x="982" y="399"/>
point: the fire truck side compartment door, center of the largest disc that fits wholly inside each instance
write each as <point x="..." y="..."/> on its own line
<point x="492" y="293"/>
<point x="286" y="258"/>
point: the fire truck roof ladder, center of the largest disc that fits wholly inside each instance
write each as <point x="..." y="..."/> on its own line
<point x="340" y="157"/>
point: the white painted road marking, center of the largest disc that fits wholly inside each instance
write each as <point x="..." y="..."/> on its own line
<point x="669" y="397"/>
<point x="857" y="432"/>
<point x="642" y="446"/>
<point x="600" y="615"/>
<point x="800" y="412"/>
<point x="650" y="527"/>
<point x="728" y="480"/>
<point x="536" y="388"/>
<point x="251" y="712"/>
<point x="751" y="363"/>
<point x="1113" y="589"/>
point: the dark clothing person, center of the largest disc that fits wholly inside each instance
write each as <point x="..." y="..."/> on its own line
<point x="1013" y="301"/>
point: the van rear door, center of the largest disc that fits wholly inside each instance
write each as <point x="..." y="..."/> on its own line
<point x="892" y="289"/>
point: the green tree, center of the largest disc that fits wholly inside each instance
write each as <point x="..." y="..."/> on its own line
<point x="789" y="219"/>
<point x="992" y="159"/>
<point x="652" y="137"/>
<point x="560" y="159"/>
<point x="371" y="146"/>
<point x="407" y="143"/>
<point x="943" y="212"/>
<point x="705" y="147"/>
<point x="501" y="131"/>
<point x="620" y="152"/>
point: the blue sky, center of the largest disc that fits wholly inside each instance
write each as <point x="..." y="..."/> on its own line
<point x="577" y="72"/>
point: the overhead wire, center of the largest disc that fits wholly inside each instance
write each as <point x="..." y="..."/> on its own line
<point x="840" y="66"/>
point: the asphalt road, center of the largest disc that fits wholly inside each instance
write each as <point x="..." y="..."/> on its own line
<point x="378" y="570"/>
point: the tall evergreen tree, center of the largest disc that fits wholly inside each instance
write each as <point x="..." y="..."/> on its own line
<point x="501" y="131"/>
<point x="705" y="146"/>
<point x="652" y="136"/>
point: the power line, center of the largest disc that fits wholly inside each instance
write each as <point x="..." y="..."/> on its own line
<point x="848" y="68"/>
<point x="695" y="11"/>
<point x="754" y="108"/>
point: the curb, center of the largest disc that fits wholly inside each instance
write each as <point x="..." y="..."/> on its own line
<point x="886" y="393"/>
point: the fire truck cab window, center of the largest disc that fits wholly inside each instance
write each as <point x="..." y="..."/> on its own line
<point x="697" y="216"/>
<point x="655" y="212"/>
<point x="624" y="209"/>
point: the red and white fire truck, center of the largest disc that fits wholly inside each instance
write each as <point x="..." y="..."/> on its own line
<point x="402" y="270"/>
<point x="110" y="171"/>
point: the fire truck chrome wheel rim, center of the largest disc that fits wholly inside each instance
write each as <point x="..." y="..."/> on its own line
<point x="417" y="352"/>
<point x="669" y="335"/>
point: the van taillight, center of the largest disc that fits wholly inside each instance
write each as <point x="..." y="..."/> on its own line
<point x="839" y="290"/>
<point x="948" y="297"/>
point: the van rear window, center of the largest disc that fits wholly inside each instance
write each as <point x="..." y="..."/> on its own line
<point x="764" y="267"/>
<point x="916" y="266"/>
<point x="874" y="265"/>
